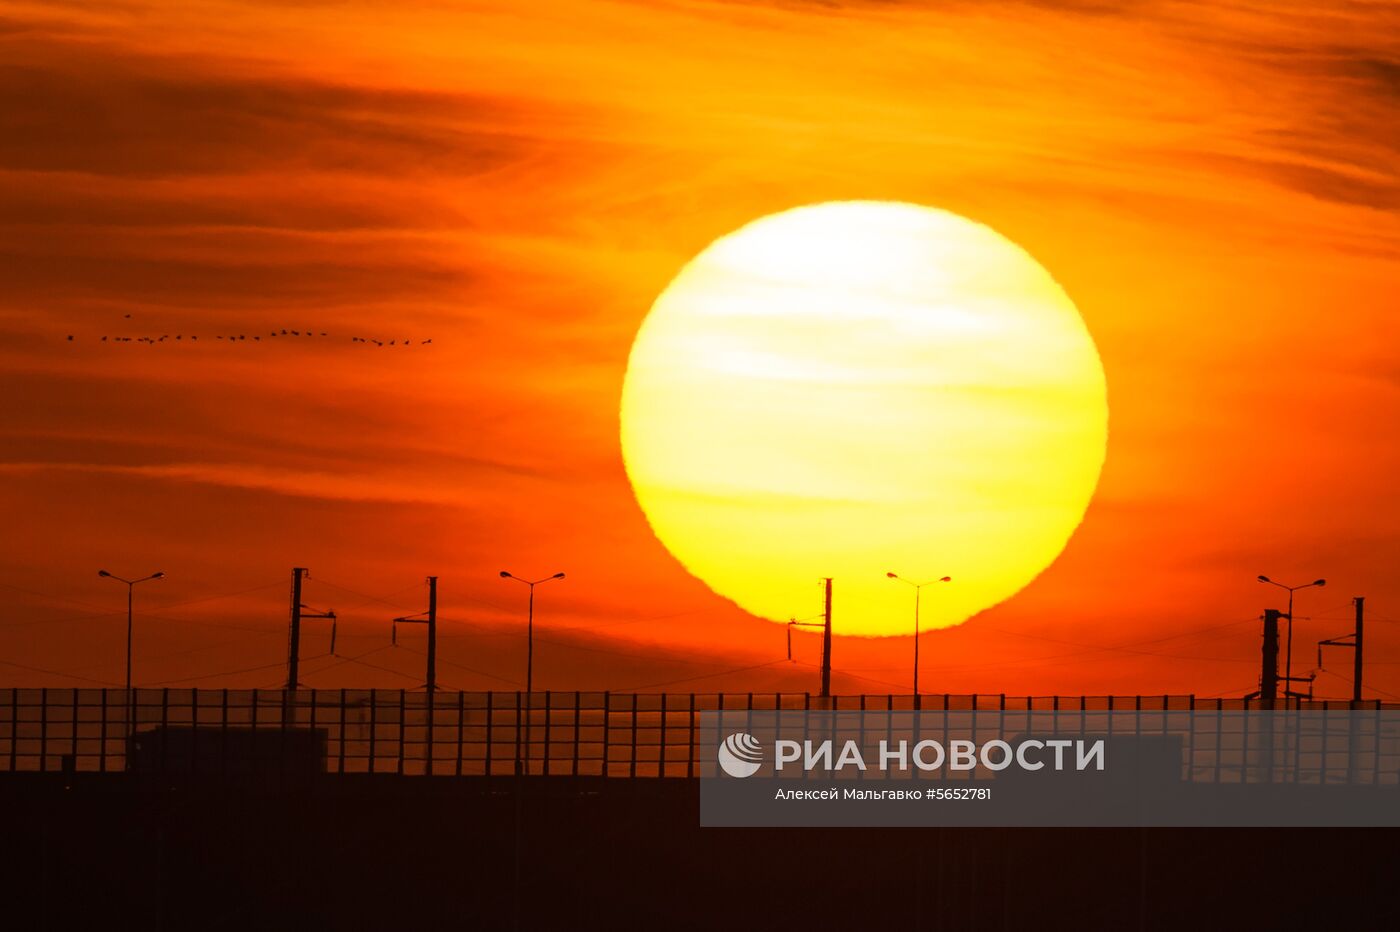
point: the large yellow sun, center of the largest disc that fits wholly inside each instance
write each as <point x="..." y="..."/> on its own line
<point x="856" y="388"/>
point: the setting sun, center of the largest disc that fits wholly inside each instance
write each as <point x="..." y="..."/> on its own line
<point x="628" y="436"/>
<point x="853" y="388"/>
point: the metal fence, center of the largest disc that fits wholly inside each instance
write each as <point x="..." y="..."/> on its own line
<point x="470" y="733"/>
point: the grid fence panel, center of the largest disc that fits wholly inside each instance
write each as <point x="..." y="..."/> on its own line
<point x="381" y="731"/>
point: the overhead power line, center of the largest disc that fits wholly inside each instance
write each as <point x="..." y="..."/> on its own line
<point x="210" y="676"/>
<point x="71" y="676"/>
<point x="703" y="676"/>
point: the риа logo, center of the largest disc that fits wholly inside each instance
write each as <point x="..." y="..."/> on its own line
<point x="740" y="755"/>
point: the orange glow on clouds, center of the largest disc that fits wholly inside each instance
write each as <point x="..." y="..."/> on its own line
<point x="1214" y="184"/>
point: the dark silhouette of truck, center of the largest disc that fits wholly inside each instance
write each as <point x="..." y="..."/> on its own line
<point x="219" y="751"/>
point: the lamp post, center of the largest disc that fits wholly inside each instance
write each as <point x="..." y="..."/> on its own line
<point x="130" y="585"/>
<point x="530" y="625"/>
<point x="917" y="588"/>
<point x="1288" y="649"/>
<point x="529" y="657"/>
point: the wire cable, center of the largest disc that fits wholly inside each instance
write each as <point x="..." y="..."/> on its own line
<point x="344" y="660"/>
<point x="702" y="676"/>
<point x="59" y="621"/>
<point x="210" y="676"/>
<point x="902" y="687"/>
<point x="50" y="598"/>
<point x="462" y="666"/>
<point x="384" y="600"/>
<point x="71" y="676"/>
<point x="215" y="598"/>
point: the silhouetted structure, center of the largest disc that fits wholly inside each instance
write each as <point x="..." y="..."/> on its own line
<point x="300" y="612"/>
<point x="826" y="641"/>
<point x="428" y="618"/>
<point x="227" y="752"/>
<point x="594" y="734"/>
<point x="1356" y="643"/>
<point x="1268" y="674"/>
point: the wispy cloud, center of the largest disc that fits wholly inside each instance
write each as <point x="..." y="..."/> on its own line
<point x="324" y="485"/>
<point x="1214" y="182"/>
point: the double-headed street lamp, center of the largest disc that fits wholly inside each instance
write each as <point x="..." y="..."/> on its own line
<point x="1288" y="651"/>
<point x="521" y="767"/>
<point x="530" y="626"/>
<point x="917" y="588"/>
<point x="130" y="585"/>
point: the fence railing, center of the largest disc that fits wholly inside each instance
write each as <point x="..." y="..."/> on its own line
<point x="446" y="733"/>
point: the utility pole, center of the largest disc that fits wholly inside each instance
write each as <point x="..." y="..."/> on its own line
<point x="1356" y="661"/>
<point x="1268" y="678"/>
<point x="432" y="633"/>
<point x="1268" y="689"/>
<point x="825" y="625"/>
<point x="1356" y="641"/>
<point x="826" y="644"/>
<point x="294" y="634"/>
<point x="428" y="618"/>
<point x="1268" y="675"/>
<point x="300" y="612"/>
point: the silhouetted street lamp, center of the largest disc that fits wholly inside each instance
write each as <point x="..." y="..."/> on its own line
<point x="529" y="660"/>
<point x="530" y="626"/>
<point x="130" y="585"/>
<point x="917" y="588"/>
<point x="1288" y="654"/>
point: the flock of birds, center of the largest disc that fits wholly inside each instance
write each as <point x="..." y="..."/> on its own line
<point x="254" y="338"/>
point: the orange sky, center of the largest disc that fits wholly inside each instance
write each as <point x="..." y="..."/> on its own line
<point x="1213" y="184"/>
